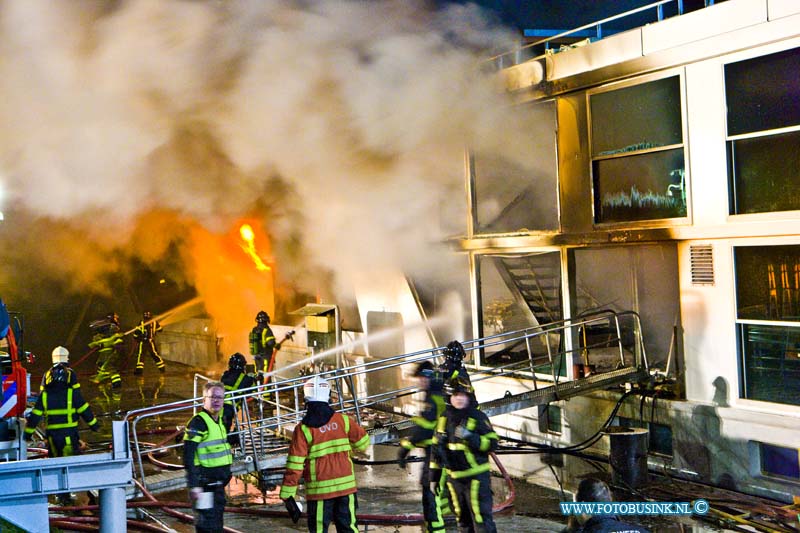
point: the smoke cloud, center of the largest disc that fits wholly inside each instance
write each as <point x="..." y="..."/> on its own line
<point x="339" y="125"/>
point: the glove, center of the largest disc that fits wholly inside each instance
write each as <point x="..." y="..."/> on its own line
<point x="401" y="458"/>
<point x="95" y="428"/>
<point x="293" y="508"/>
<point x="473" y="441"/>
<point x="434" y="486"/>
<point x="462" y="433"/>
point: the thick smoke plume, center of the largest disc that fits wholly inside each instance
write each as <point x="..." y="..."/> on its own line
<point x="340" y="125"/>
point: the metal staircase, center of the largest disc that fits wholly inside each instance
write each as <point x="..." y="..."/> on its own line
<point x="535" y="282"/>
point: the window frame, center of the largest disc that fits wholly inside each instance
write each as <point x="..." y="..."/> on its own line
<point x="741" y="323"/>
<point x="673" y="221"/>
<point x="731" y="139"/>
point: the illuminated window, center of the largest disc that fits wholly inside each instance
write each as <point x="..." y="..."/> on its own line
<point x="638" y="168"/>
<point x="768" y="322"/>
<point x="763" y="137"/>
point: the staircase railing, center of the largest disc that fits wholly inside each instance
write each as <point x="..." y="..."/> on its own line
<point x="268" y="409"/>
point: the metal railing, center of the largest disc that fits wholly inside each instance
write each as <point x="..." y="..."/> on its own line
<point x="595" y="29"/>
<point x="264" y="411"/>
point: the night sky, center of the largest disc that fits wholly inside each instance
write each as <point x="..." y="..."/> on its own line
<point x="564" y="14"/>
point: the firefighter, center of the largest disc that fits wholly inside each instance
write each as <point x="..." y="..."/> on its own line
<point x="235" y="378"/>
<point x="60" y="405"/>
<point x="320" y="454"/>
<point x="60" y="357"/>
<point x="464" y="438"/>
<point x="207" y="459"/>
<point x="422" y="437"/>
<point x="108" y="342"/>
<point x="453" y="366"/>
<point x="262" y="344"/>
<point x="145" y="336"/>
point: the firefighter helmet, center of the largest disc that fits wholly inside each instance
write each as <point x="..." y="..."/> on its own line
<point x="237" y="362"/>
<point x="262" y="317"/>
<point x="459" y="384"/>
<point x="424" y="369"/>
<point x="317" y="389"/>
<point x="454" y="353"/>
<point x="60" y="355"/>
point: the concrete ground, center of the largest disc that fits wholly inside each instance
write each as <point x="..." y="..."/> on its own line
<point x="383" y="489"/>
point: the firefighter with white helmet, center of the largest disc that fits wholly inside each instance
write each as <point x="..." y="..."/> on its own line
<point x="60" y="357"/>
<point x="60" y="404"/>
<point x="329" y="438"/>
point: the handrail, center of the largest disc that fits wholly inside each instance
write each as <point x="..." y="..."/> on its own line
<point x="659" y="6"/>
<point x="256" y="426"/>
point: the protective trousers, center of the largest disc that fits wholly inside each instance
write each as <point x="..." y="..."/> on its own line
<point x="149" y="347"/>
<point x="430" y="504"/>
<point x="472" y="500"/>
<point x="63" y="443"/>
<point x="341" y="511"/>
<point x="211" y="520"/>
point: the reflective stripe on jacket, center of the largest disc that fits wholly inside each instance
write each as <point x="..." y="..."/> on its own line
<point x="321" y="456"/>
<point x="466" y="457"/>
<point x="60" y="407"/>
<point x="213" y="449"/>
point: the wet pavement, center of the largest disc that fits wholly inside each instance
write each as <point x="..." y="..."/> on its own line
<point x="384" y="489"/>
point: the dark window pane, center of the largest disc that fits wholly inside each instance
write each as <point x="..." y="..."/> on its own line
<point x="660" y="439"/>
<point x="765" y="173"/>
<point x="771" y="366"/>
<point x="647" y="186"/>
<point x="779" y="461"/>
<point x="768" y="282"/>
<point x="763" y="93"/>
<point x="637" y="117"/>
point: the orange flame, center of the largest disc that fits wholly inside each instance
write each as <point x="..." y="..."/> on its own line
<point x="232" y="290"/>
<point x="246" y="231"/>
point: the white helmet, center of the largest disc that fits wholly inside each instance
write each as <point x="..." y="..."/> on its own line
<point x="60" y="355"/>
<point x="317" y="389"/>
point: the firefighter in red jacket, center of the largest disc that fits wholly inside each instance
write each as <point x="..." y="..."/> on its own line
<point x="320" y="453"/>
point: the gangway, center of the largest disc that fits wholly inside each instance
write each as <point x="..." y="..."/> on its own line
<point x="263" y="425"/>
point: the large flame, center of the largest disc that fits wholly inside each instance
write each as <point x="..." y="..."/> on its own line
<point x="233" y="291"/>
<point x="249" y="246"/>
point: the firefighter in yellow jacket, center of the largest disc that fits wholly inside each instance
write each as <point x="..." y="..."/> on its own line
<point x="462" y="443"/>
<point x="320" y="453"/>
<point x="421" y="436"/>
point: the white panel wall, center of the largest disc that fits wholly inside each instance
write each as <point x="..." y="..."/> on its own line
<point x="782" y="8"/>
<point x="708" y="314"/>
<point x="723" y="18"/>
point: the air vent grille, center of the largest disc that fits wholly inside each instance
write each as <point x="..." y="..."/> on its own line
<point x="702" y="259"/>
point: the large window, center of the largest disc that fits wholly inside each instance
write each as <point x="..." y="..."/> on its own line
<point x="763" y="138"/>
<point x="768" y="322"/>
<point x="638" y="168"/>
